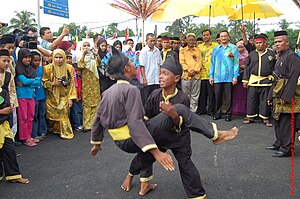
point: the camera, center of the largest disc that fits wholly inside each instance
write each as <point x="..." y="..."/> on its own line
<point x="63" y="81"/>
<point x="30" y="40"/>
<point x="4" y="24"/>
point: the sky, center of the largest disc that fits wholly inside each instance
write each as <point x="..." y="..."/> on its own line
<point x="96" y="14"/>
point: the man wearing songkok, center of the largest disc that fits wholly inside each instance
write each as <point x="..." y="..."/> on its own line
<point x="285" y="95"/>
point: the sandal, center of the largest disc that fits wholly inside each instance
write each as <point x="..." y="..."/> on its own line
<point x="20" y="180"/>
<point x="267" y="123"/>
<point x="248" y="121"/>
<point x="36" y="140"/>
<point x="29" y="143"/>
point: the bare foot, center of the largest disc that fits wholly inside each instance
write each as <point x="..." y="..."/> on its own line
<point x="126" y="186"/>
<point x="146" y="187"/>
<point x="226" y="135"/>
<point x="20" y="180"/>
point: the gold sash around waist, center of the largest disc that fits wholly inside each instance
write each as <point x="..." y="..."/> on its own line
<point x="254" y="80"/>
<point x="121" y="133"/>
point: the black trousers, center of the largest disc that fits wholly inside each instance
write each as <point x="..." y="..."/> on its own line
<point x="8" y="160"/>
<point x="219" y="89"/>
<point x="147" y="90"/>
<point x="283" y="132"/>
<point x="257" y="102"/>
<point x="160" y="125"/>
<point x="206" y="103"/>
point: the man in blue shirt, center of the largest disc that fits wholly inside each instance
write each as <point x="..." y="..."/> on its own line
<point x="223" y="73"/>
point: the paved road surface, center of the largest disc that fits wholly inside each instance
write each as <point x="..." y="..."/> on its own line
<point x="241" y="169"/>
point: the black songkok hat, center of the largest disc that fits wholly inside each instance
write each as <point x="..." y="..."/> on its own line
<point x="280" y="33"/>
<point x="176" y="39"/>
<point x="4" y="53"/>
<point x="159" y="37"/>
<point x="7" y="39"/>
<point x="172" y="65"/>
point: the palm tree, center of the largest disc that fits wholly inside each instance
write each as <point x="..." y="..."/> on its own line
<point x="283" y="24"/>
<point x="23" y="19"/>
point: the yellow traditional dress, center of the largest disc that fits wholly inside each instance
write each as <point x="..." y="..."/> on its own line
<point x="90" y="89"/>
<point x="57" y="97"/>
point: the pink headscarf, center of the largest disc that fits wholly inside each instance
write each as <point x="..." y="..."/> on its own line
<point x="244" y="55"/>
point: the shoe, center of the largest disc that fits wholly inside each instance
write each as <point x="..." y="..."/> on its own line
<point x="216" y="117"/>
<point x="272" y="147"/>
<point x="79" y="129"/>
<point x="280" y="154"/>
<point x="18" y="143"/>
<point x="43" y="136"/>
<point x="228" y="119"/>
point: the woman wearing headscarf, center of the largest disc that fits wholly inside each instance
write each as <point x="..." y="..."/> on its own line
<point x="26" y="80"/>
<point x="60" y="90"/>
<point x="239" y="97"/>
<point x="88" y="63"/>
<point x="105" y="81"/>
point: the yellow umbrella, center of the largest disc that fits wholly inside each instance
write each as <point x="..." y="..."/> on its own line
<point x="230" y="3"/>
<point x="175" y="9"/>
<point x="256" y="10"/>
<point x="214" y="11"/>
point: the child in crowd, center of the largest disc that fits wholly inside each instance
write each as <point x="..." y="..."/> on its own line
<point x="27" y="80"/>
<point x="39" y="129"/>
<point x="76" y="109"/>
<point x="7" y="150"/>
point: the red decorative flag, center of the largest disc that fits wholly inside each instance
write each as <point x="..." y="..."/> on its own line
<point x="127" y="34"/>
<point x="115" y="35"/>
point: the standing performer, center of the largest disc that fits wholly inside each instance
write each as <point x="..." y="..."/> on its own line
<point x="7" y="148"/>
<point x="283" y="92"/>
<point x="258" y="79"/>
<point x="123" y="119"/>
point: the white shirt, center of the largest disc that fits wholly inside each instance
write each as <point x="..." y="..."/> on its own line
<point x="151" y="60"/>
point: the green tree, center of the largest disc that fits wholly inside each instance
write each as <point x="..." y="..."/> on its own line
<point x="234" y="29"/>
<point x="75" y="30"/>
<point x="122" y="33"/>
<point x="23" y="19"/>
<point x="180" y="26"/>
<point x="283" y="24"/>
<point x="197" y="29"/>
<point x="111" y="29"/>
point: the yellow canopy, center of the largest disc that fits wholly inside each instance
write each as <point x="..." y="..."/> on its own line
<point x="175" y="9"/>
<point x="214" y="11"/>
<point x="256" y="10"/>
<point x="230" y="3"/>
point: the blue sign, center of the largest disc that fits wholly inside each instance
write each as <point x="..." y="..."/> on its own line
<point x="58" y="8"/>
